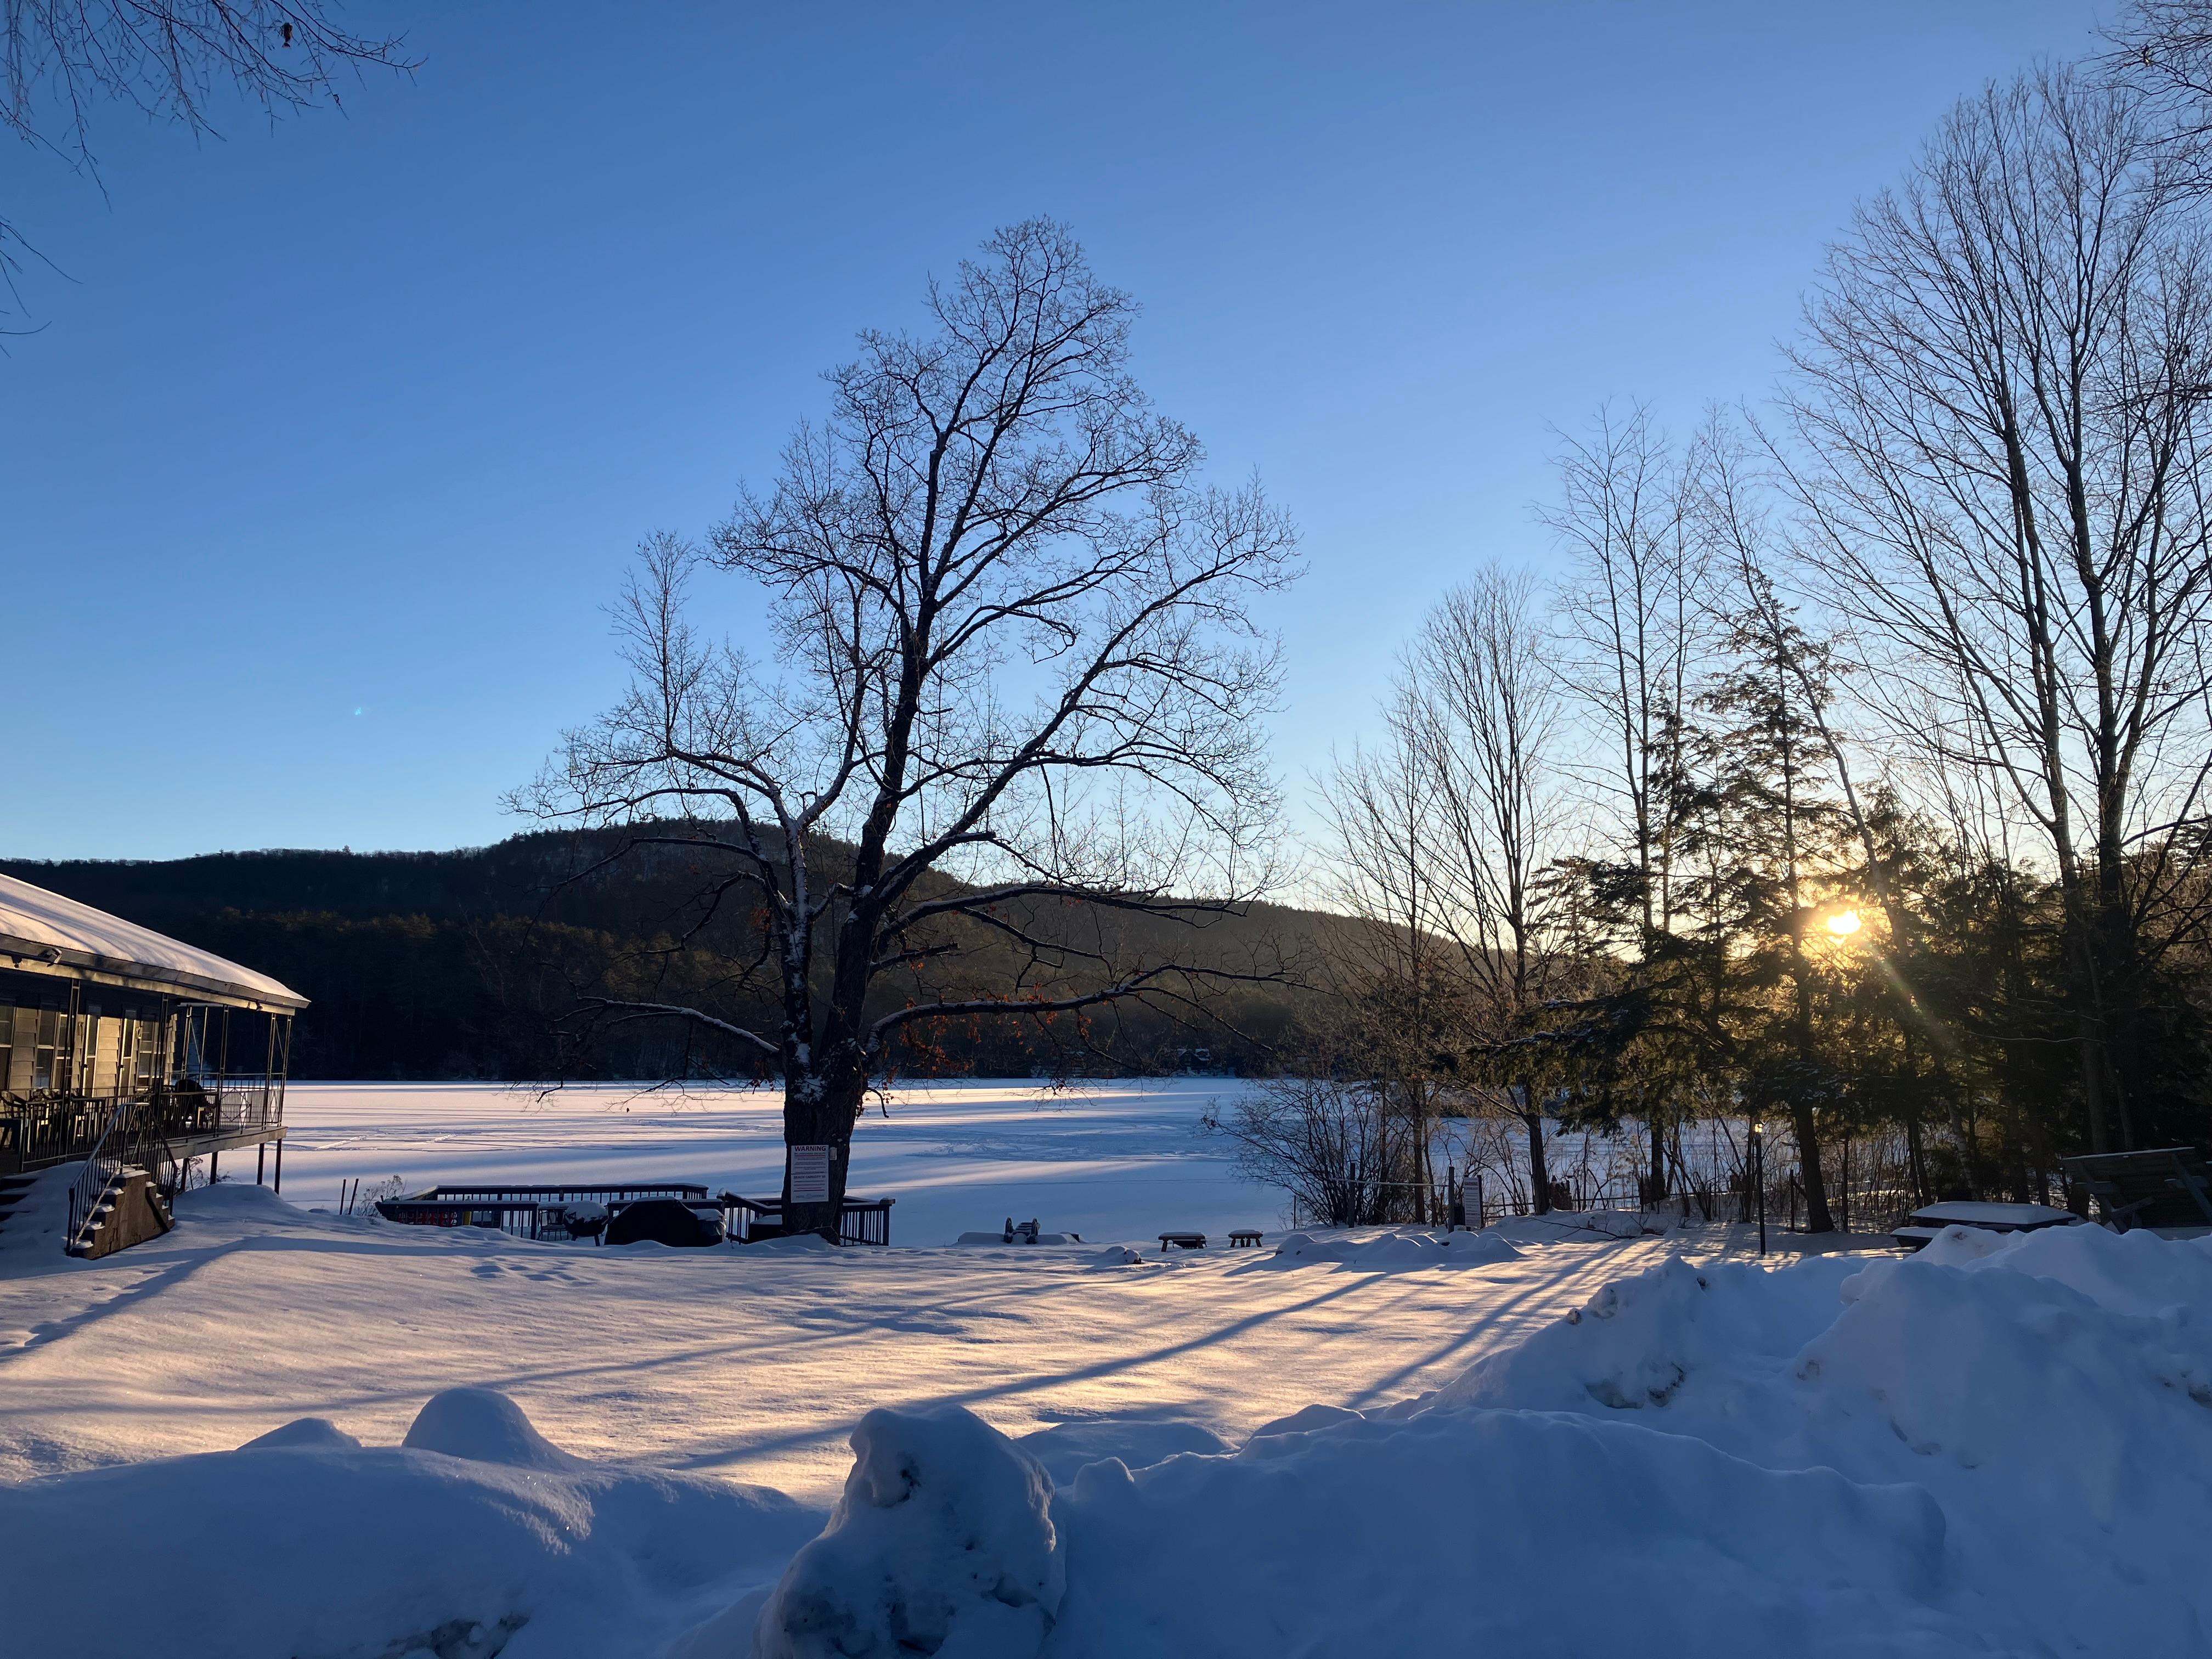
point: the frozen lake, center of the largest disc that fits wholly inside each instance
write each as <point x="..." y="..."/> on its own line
<point x="1122" y="1159"/>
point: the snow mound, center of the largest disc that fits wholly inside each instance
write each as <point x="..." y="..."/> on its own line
<point x="2136" y="1273"/>
<point x="1392" y="1252"/>
<point x="1486" y="1534"/>
<point x="1065" y="1448"/>
<point x="942" y="1543"/>
<point x="484" y="1426"/>
<point x="2053" y="1395"/>
<point x="306" y="1431"/>
<point x="1117" y="1255"/>
<point x="1642" y="1339"/>
<point x="793" y="1244"/>
<point x="313" y="1546"/>
<point x="237" y="1201"/>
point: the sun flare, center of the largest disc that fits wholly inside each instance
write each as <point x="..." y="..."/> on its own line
<point x="1844" y="923"/>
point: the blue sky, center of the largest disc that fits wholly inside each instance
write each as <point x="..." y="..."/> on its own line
<point x="335" y="439"/>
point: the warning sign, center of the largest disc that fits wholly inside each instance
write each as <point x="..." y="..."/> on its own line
<point x="809" y="1175"/>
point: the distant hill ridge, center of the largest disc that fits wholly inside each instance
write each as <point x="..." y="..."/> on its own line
<point x="455" y="964"/>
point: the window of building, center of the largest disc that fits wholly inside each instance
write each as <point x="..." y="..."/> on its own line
<point x="153" y="1042"/>
<point x="48" y="1046"/>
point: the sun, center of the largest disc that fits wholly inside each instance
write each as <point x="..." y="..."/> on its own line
<point x="1844" y="923"/>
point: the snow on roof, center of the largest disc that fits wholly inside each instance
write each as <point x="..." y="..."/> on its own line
<point x="38" y="924"/>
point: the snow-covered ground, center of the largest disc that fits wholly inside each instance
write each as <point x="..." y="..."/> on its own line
<point x="752" y="1362"/>
<point x="1528" y="1443"/>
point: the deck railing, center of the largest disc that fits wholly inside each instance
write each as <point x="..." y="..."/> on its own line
<point x="42" y="1130"/>
<point x="39" y="1132"/>
<point x="862" y="1221"/>
<point x="540" y="1213"/>
<point x="537" y="1213"/>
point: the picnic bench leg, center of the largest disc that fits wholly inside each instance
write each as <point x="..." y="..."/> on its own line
<point x="2194" y="1186"/>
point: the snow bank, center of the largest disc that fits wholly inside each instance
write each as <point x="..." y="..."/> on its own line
<point x="2004" y="1451"/>
<point x="2052" y="1392"/>
<point x="1488" y="1534"/>
<point x="1393" y="1251"/>
<point x="942" y="1543"/>
<point x="468" y="1542"/>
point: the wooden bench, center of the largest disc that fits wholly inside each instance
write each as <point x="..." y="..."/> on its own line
<point x="1244" y="1238"/>
<point x="1183" y="1240"/>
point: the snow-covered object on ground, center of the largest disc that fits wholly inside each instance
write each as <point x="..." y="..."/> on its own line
<point x="1393" y="1251"/>
<point x="942" y="1543"/>
<point x="1025" y="1240"/>
<point x="2000" y="1217"/>
<point x="1924" y="1223"/>
<point x="304" y="1542"/>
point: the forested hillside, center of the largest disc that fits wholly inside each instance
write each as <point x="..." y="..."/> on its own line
<point x="467" y="963"/>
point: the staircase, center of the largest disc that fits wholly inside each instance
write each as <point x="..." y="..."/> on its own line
<point x="129" y="1210"/>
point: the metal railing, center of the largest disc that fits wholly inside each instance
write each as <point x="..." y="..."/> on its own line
<point x="588" y="1194"/>
<point x="103" y="1164"/>
<point x="527" y="1219"/>
<point x="861" y="1221"/>
<point x="540" y="1214"/>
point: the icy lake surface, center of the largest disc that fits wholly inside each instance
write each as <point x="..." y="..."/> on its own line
<point x="1114" y="1160"/>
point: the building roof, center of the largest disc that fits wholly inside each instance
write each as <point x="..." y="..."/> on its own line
<point x="43" y="931"/>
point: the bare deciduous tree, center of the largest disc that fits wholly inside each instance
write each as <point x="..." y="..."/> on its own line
<point x="1445" y="841"/>
<point x="171" y="60"/>
<point x="1634" y="611"/>
<point x="2162" y="50"/>
<point x="1635" y="615"/>
<point x="2005" y="388"/>
<point x="1329" y="1143"/>
<point x="1016" y="668"/>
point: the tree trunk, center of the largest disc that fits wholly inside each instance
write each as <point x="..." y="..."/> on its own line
<point x="1817" y="1218"/>
<point x="1540" y="1173"/>
<point x="819" y="1112"/>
